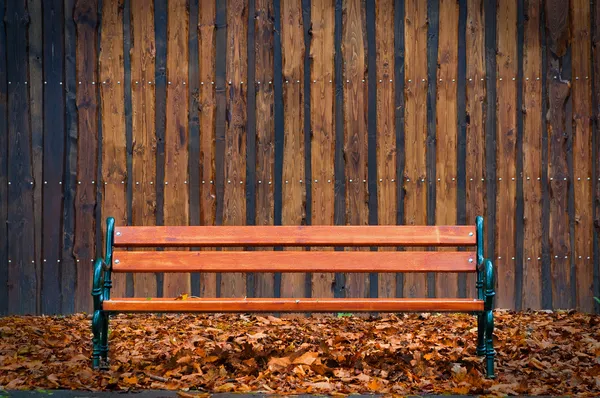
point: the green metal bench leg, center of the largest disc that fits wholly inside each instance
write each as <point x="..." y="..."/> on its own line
<point x="97" y="331"/>
<point x="481" y="334"/>
<point x="104" y="340"/>
<point x="489" y="344"/>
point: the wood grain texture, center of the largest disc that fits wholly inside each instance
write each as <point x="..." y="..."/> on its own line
<point x="582" y="152"/>
<point x="114" y="163"/>
<point x="558" y="93"/>
<point x="143" y="207"/>
<point x="386" y="129"/>
<point x="293" y="192"/>
<point x="265" y="130"/>
<point x="234" y="201"/>
<point x="176" y="208"/>
<point x="447" y="130"/>
<point x="532" y="158"/>
<point x="294" y="261"/>
<point x="293" y="305"/>
<point x="314" y="235"/>
<point x="506" y="152"/>
<point x="322" y="127"/>
<point x="355" y="126"/>
<point x="206" y="56"/>
<point x="22" y="278"/>
<point x="86" y="21"/>
<point x="475" y="107"/>
<point x="3" y="163"/>
<point x="415" y="129"/>
<point x="596" y="145"/>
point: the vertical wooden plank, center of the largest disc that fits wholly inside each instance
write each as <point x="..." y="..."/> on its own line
<point x="596" y="145"/>
<point x="69" y="266"/>
<point x="54" y="146"/>
<point x="322" y="126"/>
<point x="557" y="25"/>
<point x="293" y="192"/>
<point x="386" y="129"/>
<point x="36" y="100"/>
<point x="532" y="158"/>
<point x="415" y="127"/>
<point x="265" y="132"/>
<point x="234" y="201"/>
<point x="399" y="101"/>
<point x="22" y="278"/>
<point x="307" y="30"/>
<point x="176" y="207"/>
<point x="446" y="132"/>
<point x="86" y="21"/>
<point x="355" y="127"/>
<point x="114" y="157"/>
<point x="3" y="165"/>
<point x="506" y="60"/>
<point x="206" y="57"/>
<point x="582" y="152"/>
<point x="129" y="277"/>
<point x="143" y="209"/>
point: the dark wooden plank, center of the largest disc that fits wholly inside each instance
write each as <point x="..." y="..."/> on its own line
<point x="86" y="21"/>
<point x="22" y="278"/>
<point x="36" y="101"/>
<point x="176" y="206"/>
<point x="143" y="128"/>
<point x="506" y="152"/>
<point x="54" y="148"/>
<point x="385" y="128"/>
<point x="354" y="53"/>
<point x="322" y="113"/>
<point x="206" y="56"/>
<point x="129" y="282"/>
<point x="68" y="281"/>
<point x="446" y="131"/>
<point x="475" y="108"/>
<point x="399" y="101"/>
<point x="293" y="305"/>
<point x="294" y="261"/>
<point x="582" y="153"/>
<point x="314" y="235"/>
<point x="114" y="156"/>
<point x="279" y="131"/>
<point x="307" y="27"/>
<point x="263" y="115"/>
<point x="293" y="192"/>
<point x="558" y="94"/>
<point x="415" y="127"/>
<point x="3" y="165"/>
<point x="461" y="138"/>
<point x="596" y="145"/>
<point x="532" y="158"/>
<point x="234" y="200"/>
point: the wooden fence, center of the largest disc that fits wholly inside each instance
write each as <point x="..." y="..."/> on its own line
<point x="296" y="112"/>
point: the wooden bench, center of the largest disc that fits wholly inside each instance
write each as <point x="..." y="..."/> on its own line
<point x="121" y="261"/>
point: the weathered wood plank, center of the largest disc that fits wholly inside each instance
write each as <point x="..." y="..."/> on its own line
<point x="355" y="127"/>
<point x="54" y="147"/>
<point x="293" y="305"/>
<point x="86" y="20"/>
<point x="265" y="130"/>
<point x="293" y="192"/>
<point x="415" y="129"/>
<point x="557" y="26"/>
<point x="386" y="129"/>
<point x="143" y="207"/>
<point x="582" y="152"/>
<point x="3" y="164"/>
<point x="596" y="145"/>
<point x="22" y="278"/>
<point x="506" y="152"/>
<point x="532" y="158"/>
<point x="206" y="56"/>
<point x="447" y="131"/>
<point x="322" y="127"/>
<point x="114" y="154"/>
<point x="176" y="207"/>
<point x="234" y="201"/>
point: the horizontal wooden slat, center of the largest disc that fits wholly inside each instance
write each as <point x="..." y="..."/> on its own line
<point x="297" y="261"/>
<point x="291" y="305"/>
<point x="195" y="236"/>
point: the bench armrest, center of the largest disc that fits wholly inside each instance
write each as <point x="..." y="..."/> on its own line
<point x="486" y="283"/>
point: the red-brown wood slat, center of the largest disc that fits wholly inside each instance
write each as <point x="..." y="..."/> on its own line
<point x="316" y="235"/>
<point x="291" y="305"/>
<point x="293" y="261"/>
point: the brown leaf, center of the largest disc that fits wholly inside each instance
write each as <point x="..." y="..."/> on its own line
<point x="308" y="358"/>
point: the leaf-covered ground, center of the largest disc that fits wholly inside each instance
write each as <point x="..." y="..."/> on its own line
<point x="537" y="353"/>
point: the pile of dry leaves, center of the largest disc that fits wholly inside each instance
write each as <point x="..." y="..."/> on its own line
<point x="538" y="353"/>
